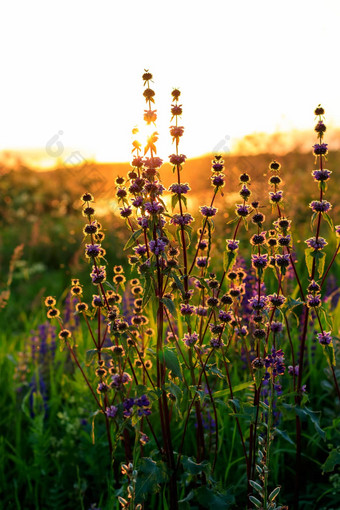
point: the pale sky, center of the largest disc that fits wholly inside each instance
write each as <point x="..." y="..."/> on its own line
<point x="242" y="66"/>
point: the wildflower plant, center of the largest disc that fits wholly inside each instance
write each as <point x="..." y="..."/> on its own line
<point x="167" y="331"/>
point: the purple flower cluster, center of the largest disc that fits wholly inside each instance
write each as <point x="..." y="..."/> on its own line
<point x="140" y="250"/>
<point x="111" y="411"/>
<point x="313" y="301"/>
<point x="143" y="221"/>
<point x="179" y="189"/>
<point x="137" y="162"/>
<point x="157" y="247"/>
<point x="184" y="219"/>
<point x="320" y="149"/>
<point x="201" y="311"/>
<point x="276" y="300"/>
<point x="242" y="331"/>
<point x="154" y="188"/>
<point x="232" y="244"/>
<point x="137" y="202"/>
<point x="125" y="212"/>
<point x="225" y="316"/>
<point x="119" y="380"/>
<point x="92" y="250"/>
<point x="276" y="327"/>
<point x="316" y="244"/>
<point x="325" y="338"/>
<point x="258" y="302"/>
<point x="177" y="159"/>
<point x="202" y="262"/>
<point x="321" y="175"/>
<point x="187" y="309"/>
<point x="320" y="206"/>
<point x="275" y="362"/>
<point x="153" y="163"/>
<point x="207" y="211"/>
<point x="216" y="343"/>
<point x="275" y="197"/>
<point x="176" y="131"/>
<point x="98" y="274"/>
<point x="259" y="261"/>
<point x="284" y="240"/>
<point x="282" y="260"/>
<point x="217" y="180"/>
<point x="243" y="210"/>
<point x="217" y="167"/>
<point x="153" y="207"/>
<point x="190" y="339"/>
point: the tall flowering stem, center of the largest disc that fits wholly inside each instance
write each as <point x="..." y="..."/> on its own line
<point x="315" y="258"/>
<point x="178" y="189"/>
<point x="183" y="222"/>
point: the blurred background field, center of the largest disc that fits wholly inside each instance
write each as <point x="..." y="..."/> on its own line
<point x="41" y="211"/>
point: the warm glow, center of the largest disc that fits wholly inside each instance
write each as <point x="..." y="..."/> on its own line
<point x="74" y="68"/>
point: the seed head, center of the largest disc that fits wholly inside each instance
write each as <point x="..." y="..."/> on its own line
<point x="53" y="313"/>
<point x="175" y="94"/>
<point x="64" y="334"/>
<point x="81" y="307"/>
<point x="50" y="301"/>
<point x="87" y="197"/>
<point x="319" y="110"/>
<point x="274" y="166"/>
<point x="147" y="76"/>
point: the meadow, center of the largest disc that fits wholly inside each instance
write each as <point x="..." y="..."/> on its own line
<point x="167" y="345"/>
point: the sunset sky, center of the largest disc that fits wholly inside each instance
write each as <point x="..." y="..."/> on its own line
<point x="75" y="67"/>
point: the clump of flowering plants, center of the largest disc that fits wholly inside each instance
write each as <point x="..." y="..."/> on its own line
<point x="169" y="332"/>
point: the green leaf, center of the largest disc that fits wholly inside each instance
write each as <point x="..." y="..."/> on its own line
<point x="309" y="260"/>
<point x="323" y="186"/>
<point x="292" y="303"/>
<point x="328" y="351"/>
<point x="255" y="501"/>
<point x="329" y="220"/>
<point x="133" y="238"/>
<point x="148" y="291"/>
<point x="150" y="476"/>
<point x="188" y="232"/>
<point x="90" y="356"/>
<point x="193" y="467"/>
<point x="229" y="259"/>
<point x="170" y="306"/>
<point x="174" y="389"/>
<point x="233" y="221"/>
<point x="256" y="486"/>
<point x="314" y="215"/>
<point x="170" y="359"/>
<point x="332" y="460"/>
<point x="178" y="282"/>
<point x="214" y="500"/>
<point x="258" y="376"/>
<point x="284" y="434"/>
<point x="213" y="369"/>
<point x="274" y="493"/>
<point x="174" y="201"/>
<point x="238" y="387"/>
<point x="94" y="415"/>
<point x="187" y="498"/>
<point x="305" y="412"/>
<point x="320" y="258"/>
